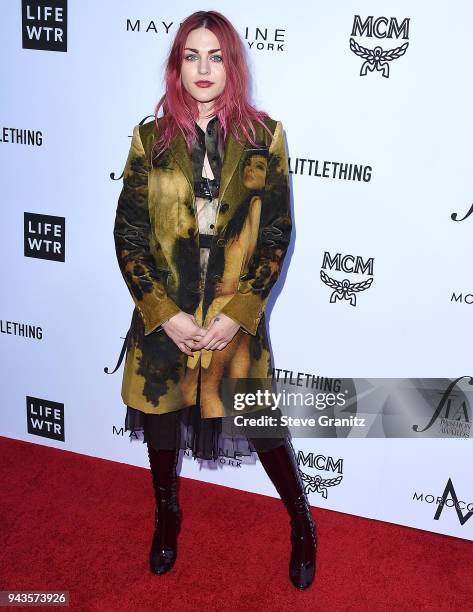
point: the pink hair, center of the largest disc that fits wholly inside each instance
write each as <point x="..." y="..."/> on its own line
<point x="232" y="107"/>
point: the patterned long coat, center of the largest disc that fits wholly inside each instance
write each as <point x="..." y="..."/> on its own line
<point x="157" y="245"/>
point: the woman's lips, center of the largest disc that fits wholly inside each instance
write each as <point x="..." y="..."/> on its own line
<point x="203" y="83"/>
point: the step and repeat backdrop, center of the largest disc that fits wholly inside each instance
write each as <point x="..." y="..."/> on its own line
<point x="375" y="99"/>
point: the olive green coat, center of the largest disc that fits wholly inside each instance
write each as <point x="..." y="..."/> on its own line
<point x="157" y="245"/>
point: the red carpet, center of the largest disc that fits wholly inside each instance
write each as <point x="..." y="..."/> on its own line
<point x="72" y="522"/>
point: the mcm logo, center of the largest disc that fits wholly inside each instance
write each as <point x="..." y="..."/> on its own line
<point x="377" y="59"/>
<point x="449" y="490"/>
<point x="345" y="289"/>
<point x="318" y="484"/>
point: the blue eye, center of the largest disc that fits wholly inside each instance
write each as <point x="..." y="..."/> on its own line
<point x="216" y="58"/>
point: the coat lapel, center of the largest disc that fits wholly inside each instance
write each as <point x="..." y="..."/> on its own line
<point x="178" y="149"/>
<point x="231" y="158"/>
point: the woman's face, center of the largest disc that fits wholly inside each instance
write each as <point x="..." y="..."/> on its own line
<point x="254" y="172"/>
<point x="202" y="61"/>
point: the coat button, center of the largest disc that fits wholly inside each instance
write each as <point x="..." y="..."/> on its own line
<point x="224" y="207"/>
<point x="221" y="242"/>
<point x="217" y="277"/>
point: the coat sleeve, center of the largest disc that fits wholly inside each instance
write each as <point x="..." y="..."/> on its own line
<point x="246" y="307"/>
<point x="134" y="241"/>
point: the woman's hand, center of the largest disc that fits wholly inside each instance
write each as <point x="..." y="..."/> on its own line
<point x="218" y="334"/>
<point x="184" y="331"/>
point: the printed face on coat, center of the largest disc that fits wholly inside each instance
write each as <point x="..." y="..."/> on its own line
<point x="202" y="61"/>
<point x="254" y="171"/>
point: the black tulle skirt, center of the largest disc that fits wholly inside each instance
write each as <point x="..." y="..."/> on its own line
<point x="208" y="438"/>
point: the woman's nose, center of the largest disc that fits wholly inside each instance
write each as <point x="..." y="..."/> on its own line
<point x="203" y="67"/>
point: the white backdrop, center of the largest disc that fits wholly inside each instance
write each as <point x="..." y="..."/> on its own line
<point x="63" y="320"/>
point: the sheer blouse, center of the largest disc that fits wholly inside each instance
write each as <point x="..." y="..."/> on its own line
<point x="206" y="188"/>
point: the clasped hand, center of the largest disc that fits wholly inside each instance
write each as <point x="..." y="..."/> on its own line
<point x="188" y="336"/>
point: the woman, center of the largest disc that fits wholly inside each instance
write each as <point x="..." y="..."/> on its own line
<point x="201" y="231"/>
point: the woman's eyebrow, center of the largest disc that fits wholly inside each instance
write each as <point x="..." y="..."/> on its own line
<point x="197" y="51"/>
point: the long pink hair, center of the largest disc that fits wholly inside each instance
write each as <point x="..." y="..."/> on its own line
<point x="232" y="107"/>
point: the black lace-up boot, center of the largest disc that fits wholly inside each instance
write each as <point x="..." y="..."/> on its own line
<point x="163" y="553"/>
<point x="280" y="464"/>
